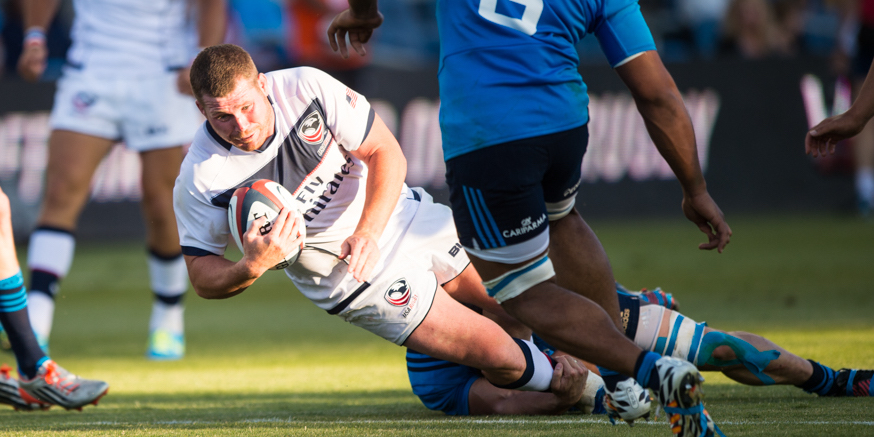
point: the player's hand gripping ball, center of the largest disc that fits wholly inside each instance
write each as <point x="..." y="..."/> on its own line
<point x="258" y="199"/>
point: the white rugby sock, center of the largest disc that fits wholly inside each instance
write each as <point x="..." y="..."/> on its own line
<point x="538" y="374"/>
<point x="49" y="256"/>
<point x="865" y="184"/>
<point x="40" y="310"/>
<point x="51" y="250"/>
<point x="167" y="317"/>
<point x="169" y="280"/>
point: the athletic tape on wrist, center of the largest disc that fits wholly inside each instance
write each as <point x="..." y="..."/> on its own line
<point x="34" y="35"/>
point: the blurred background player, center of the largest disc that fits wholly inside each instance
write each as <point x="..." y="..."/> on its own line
<point x="126" y="78"/>
<point x="853" y="57"/>
<point x="514" y="170"/>
<point x="744" y="357"/>
<point x="43" y="382"/>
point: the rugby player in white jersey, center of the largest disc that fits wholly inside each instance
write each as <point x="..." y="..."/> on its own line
<point x="124" y="79"/>
<point x="378" y="254"/>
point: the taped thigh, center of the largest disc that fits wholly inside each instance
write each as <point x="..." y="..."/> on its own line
<point x="515" y="282"/>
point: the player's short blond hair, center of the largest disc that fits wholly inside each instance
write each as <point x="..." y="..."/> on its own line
<point x="216" y="69"/>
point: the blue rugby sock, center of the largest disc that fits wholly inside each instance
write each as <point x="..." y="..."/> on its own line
<point x="645" y="371"/>
<point x="822" y="380"/>
<point x="13" y="316"/>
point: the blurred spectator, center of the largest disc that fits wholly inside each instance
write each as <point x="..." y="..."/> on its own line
<point x="863" y="144"/>
<point x="790" y="17"/>
<point x="12" y="36"/>
<point x="750" y="30"/>
<point x="704" y="20"/>
<point x="261" y="27"/>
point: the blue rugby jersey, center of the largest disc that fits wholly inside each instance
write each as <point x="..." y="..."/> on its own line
<point x="508" y="68"/>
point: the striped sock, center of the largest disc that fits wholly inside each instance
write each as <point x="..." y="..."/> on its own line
<point x="13" y="316"/>
<point x="822" y="380"/>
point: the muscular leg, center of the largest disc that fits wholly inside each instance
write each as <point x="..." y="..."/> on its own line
<point x="73" y="158"/>
<point x="160" y="168"/>
<point x="568" y="321"/>
<point x="454" y="333"/>
<point x="787" y="369"/>
<point x="468" y="288"/>
<point x="581" y="265"/>
<point x="863" y="161"/>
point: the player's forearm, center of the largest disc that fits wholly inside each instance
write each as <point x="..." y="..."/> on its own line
<point x="39" y="13"/>
<point x="661" y="105"/>
<point x="863" y="108"/>
<point x="212" y="22"/>
<point x="513" y="402"/>
<point x="671" y="130"/>
<point x="214" y="277"/>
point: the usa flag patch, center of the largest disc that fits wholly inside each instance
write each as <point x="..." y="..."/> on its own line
<point x="351" y="97"/>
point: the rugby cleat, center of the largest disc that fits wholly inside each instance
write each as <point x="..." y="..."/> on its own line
<point x="659" y="297"/>
<point x="54" y="385"/>
<point x="165" y="345"/>
<point x="681" y="396"/>
<point x="9" y="393"/>
<point x="853" y="382"/>
<point x="628" y="402"/>
<point x="685" y="425"/>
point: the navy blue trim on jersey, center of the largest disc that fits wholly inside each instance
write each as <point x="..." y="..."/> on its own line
<point x="370" y="117"/>
<point x="345" y="302"/>
<point x="215" y="136"/>
<point x="157" y="255"/>
<point x="444" y="365"/>
<point x="196" y="251"/>
<point x="294" y="161"/>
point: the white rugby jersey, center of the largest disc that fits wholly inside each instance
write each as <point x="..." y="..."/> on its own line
<point x="318" y="120"/>
<point x="131" y="37"/>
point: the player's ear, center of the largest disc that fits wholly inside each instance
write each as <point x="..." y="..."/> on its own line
<point x="262" y="82"/>
<point x="200" y="107"/>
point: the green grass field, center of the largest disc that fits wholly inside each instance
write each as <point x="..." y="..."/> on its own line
<point x="268" y="362"/>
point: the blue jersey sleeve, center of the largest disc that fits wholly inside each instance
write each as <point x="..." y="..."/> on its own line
<point x="622" y="31"/>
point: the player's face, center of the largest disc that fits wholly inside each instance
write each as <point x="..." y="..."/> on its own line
<point x="244" y="117"/>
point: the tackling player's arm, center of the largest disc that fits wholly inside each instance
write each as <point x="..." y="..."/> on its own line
<point x="358" y="21"/>
<point x="822" y="138"/>
<point x="215" y="277"/>
<point x="387" y="169"/>
<point x="37" y="17"/>
<point x="667" y="121"/>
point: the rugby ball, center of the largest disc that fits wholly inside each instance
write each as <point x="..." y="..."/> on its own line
<point x="259" y="199"/>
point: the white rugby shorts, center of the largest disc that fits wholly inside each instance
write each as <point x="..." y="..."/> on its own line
<point x="426" y="255"/>
<point x="147" y="113"/>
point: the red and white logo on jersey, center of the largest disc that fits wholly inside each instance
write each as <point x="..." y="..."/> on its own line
<point x="312" y="130"/>
<point x="399" y="293"/>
